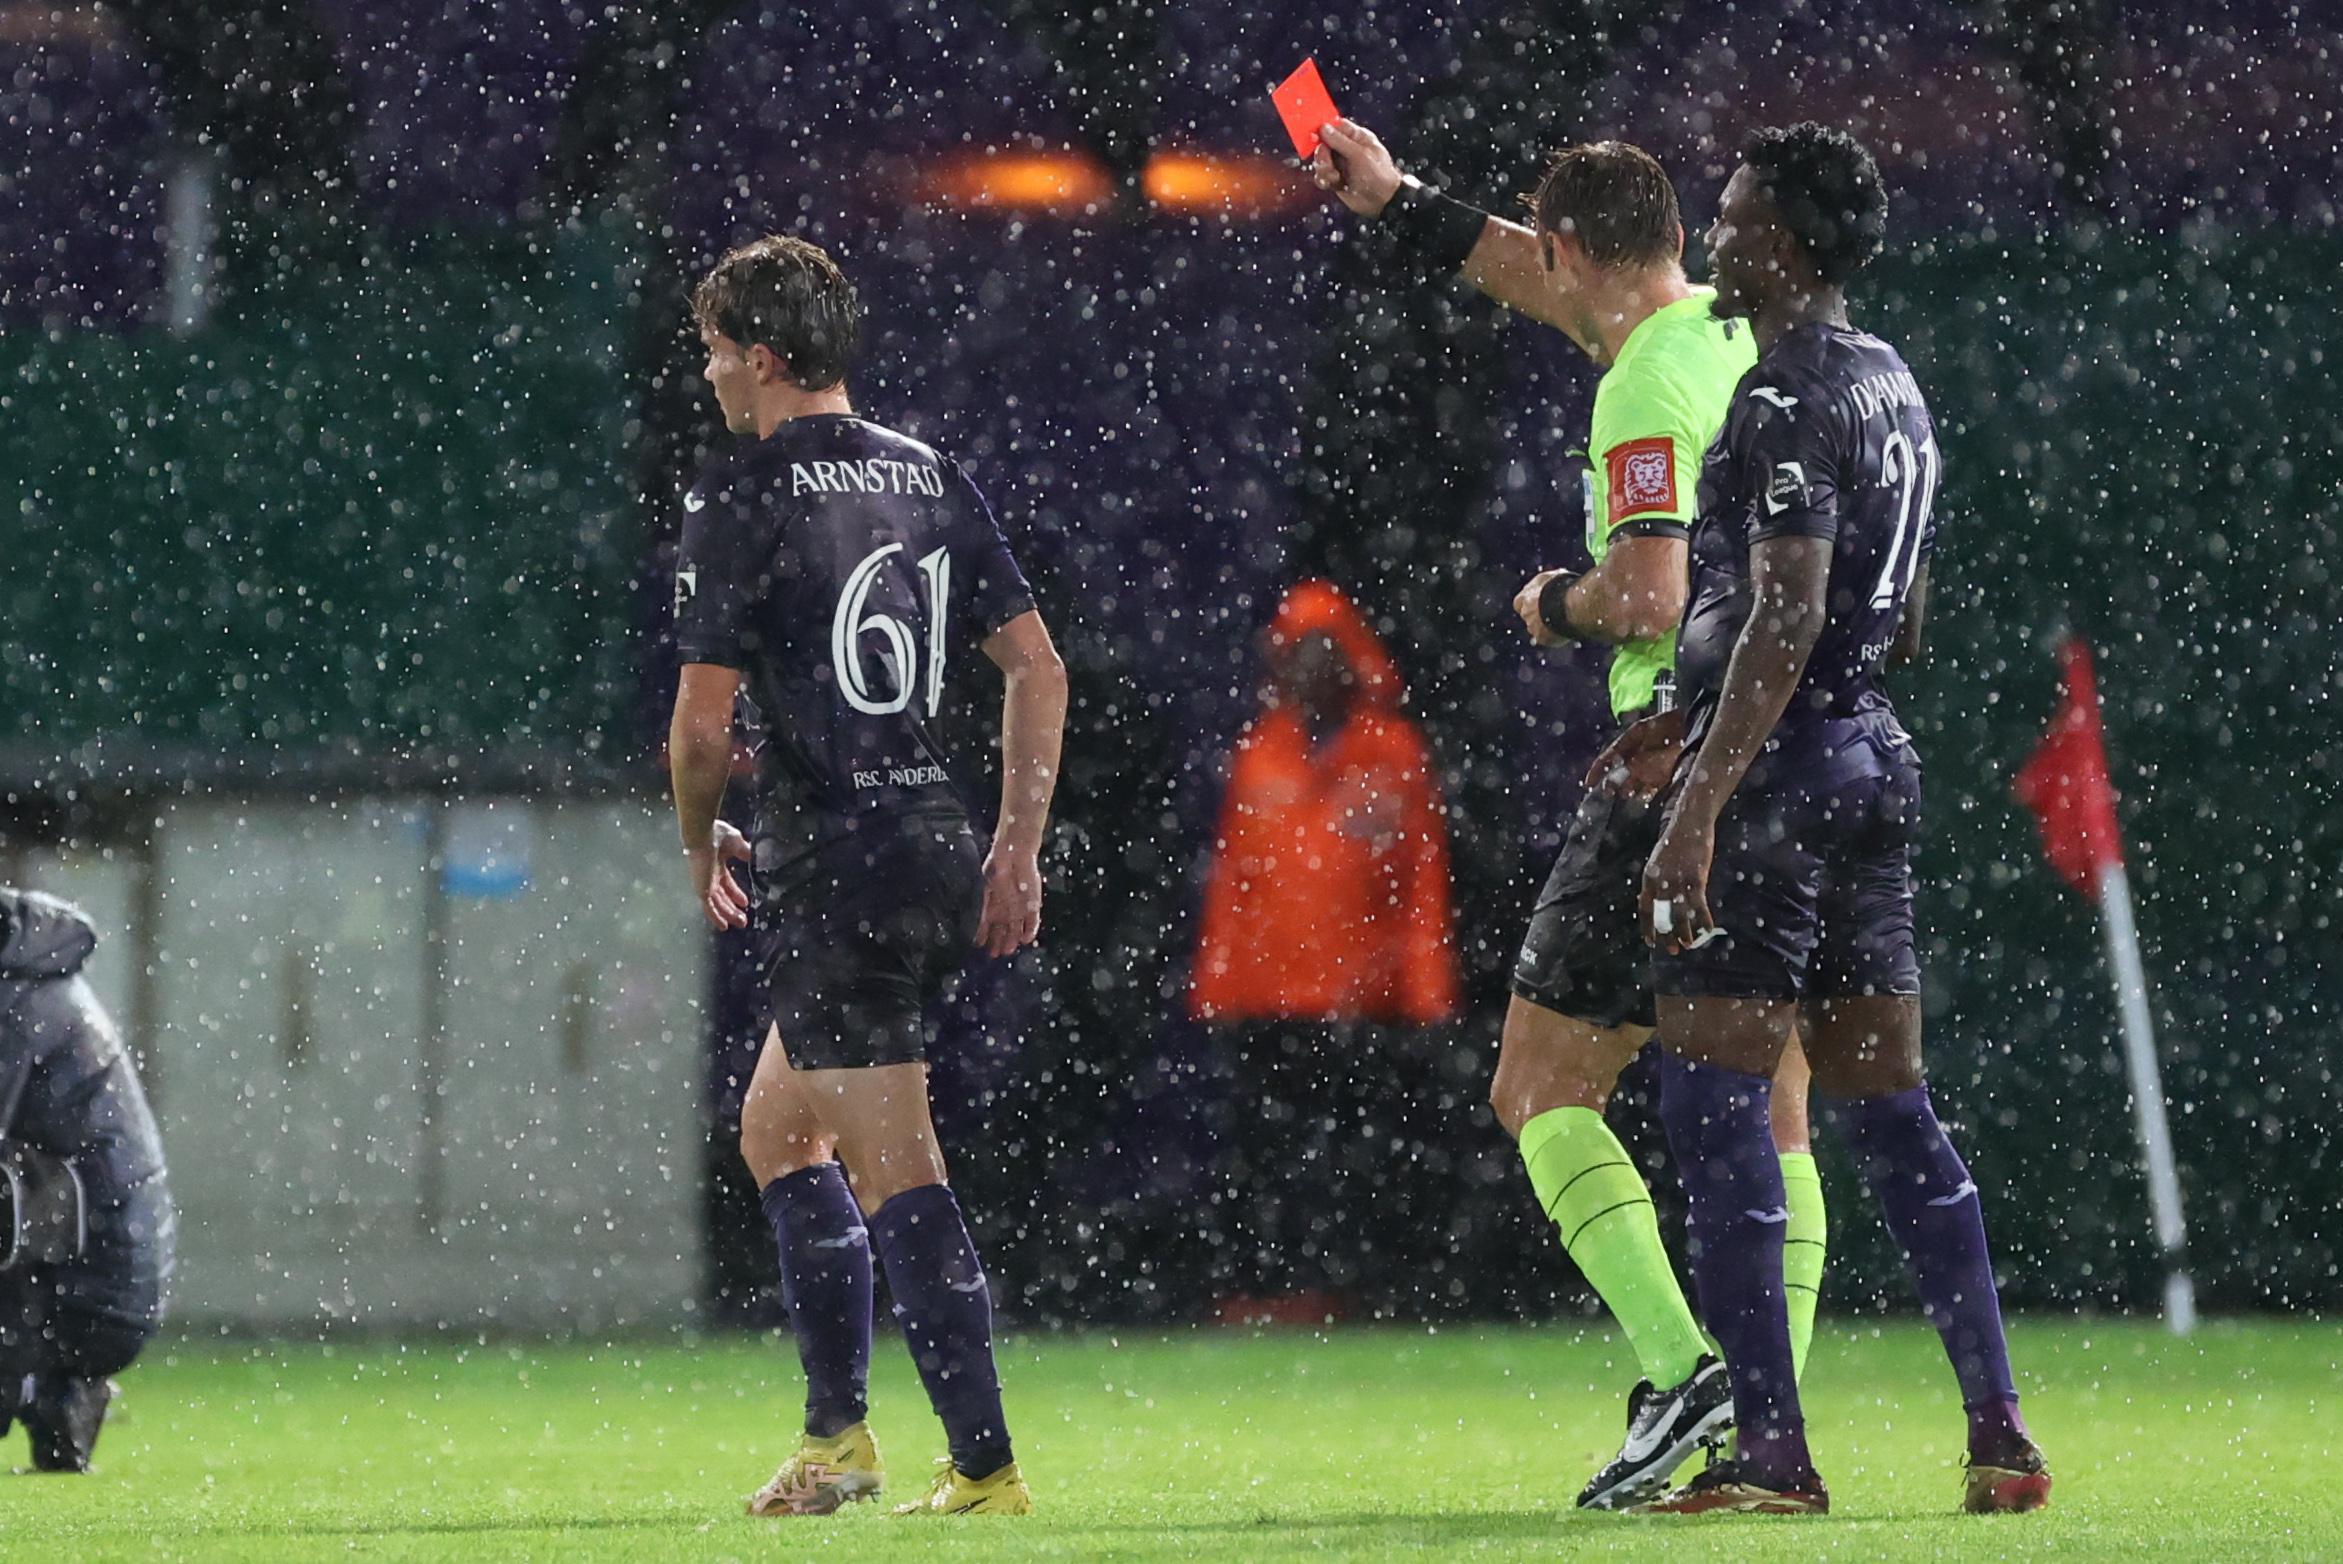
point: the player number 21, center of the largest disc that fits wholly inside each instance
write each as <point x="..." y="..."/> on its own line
<point x="850" y="625"/>
<point x="1900" y="465"/>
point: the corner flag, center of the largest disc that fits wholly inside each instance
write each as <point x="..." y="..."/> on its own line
<point x="2066" y="786"/>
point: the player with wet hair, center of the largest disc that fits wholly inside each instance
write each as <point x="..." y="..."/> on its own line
<point x="840" y="575"/>
<point x="1780" y="893"/>
<point x="1602" y="260"/>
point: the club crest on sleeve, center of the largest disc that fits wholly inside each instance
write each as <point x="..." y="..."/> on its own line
<point x="1642" y="477"/>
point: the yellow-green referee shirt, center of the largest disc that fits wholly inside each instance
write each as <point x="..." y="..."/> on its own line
<point x="1656" y="409"/>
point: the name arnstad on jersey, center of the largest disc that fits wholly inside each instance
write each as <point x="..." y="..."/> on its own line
<point x="1885" y="393"/>
<point x="868" y="475"/>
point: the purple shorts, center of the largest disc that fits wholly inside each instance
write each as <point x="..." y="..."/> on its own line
<point x="1812" y="881"/>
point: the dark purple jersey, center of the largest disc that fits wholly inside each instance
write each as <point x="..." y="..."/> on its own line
<point x="1827" y="437"/>
<point x="849" y="572"/>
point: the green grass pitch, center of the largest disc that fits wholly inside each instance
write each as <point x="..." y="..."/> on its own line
<point x="1357" y="1444"/>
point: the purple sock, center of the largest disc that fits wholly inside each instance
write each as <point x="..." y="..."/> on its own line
<point x="826" y="1286"/>
<point x="947" y="1313"/>
<point x="1721" y="1135"/>
<point x="1932" y="1208"/>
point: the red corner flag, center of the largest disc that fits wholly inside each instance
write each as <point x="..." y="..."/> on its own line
<point x="2066" y="786"/>
<point x="2065" y="783"/>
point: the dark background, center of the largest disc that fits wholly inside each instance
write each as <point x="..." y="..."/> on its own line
<point x="397" y="507"/>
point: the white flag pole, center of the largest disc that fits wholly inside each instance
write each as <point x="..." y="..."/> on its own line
<point x="2147" y="1093"/>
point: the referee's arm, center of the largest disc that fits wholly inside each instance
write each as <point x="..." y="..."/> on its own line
<point x="1500" y="258"/>
<point x="1636" y="593"/>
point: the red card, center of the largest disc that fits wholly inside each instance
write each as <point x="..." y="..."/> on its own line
<point x="1304" y="104"/>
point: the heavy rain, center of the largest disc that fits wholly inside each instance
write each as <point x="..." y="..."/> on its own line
<point x="1402" y="733"/>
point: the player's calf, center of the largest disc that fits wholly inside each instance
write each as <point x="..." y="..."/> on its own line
<point x="945" y="1303"/>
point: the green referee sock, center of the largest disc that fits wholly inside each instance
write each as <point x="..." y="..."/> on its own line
<point x="1590" y="1189"/>
<point x="1804" y="1247"/>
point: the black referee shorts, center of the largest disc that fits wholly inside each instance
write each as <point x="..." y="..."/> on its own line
<point x="867" y="933"/>
<point x="1584" y="955"/>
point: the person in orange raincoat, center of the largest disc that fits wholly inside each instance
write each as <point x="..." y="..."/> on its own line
<point x="1328" y="895"/>
<point x="1325" y="931"/>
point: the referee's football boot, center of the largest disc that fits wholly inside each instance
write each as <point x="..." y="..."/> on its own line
<point x="1664" y="1427"/>
<point x="2015" y="1483"/>
<point x="954" y="1492"/>
<point x="824" y="1476"/>
<point x="63" y="1416"/>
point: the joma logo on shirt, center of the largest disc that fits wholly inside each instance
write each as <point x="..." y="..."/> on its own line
<point x="869" y="475"/>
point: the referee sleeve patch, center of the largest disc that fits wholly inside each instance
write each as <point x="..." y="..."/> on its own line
<point x="1642" y="476"/>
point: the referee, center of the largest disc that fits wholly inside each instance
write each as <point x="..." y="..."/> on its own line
<point x="1603" y="263"/>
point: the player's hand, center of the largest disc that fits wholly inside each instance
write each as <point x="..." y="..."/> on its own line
<point x="1638" y="763"/>
<point x="1011" y="915"/>
<point x="1352" y="162"/>
<point x="721" y="896"/>
<point x="1675" y="887"/>
<point x="1525" y="603"/>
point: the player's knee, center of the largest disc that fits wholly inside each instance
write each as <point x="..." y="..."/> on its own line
<point x="888" y="1180"/>
<point x="1878" y="1075"/>
<point x="1793" y="1082"/>
<point x="881" y="1171"/>
<point x="1518" y="1097"/>
<point x="1505" y="1104"/>
<point x="1792" y="1130"/>
<point x="1512" y="1106"/>
<point x="776" y="1151"/>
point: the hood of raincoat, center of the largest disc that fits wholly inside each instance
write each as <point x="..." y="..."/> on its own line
<point x="42" y="936"/>
<point x="1314" y="606"/>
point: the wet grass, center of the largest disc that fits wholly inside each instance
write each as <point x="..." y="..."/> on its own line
<point x="1361" y="1444"/>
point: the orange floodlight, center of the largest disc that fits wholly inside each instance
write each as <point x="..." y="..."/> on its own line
<point x="1072" y="183"/>
<point x="1235" y="185"/>
<point x="1065" y="183"/>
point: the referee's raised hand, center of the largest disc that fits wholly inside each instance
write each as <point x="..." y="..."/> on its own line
<point x="1352" y="162"/>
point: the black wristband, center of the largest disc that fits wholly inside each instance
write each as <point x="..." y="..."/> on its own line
<point x="1554" y="606"/>
<point x="1434" y="227"/>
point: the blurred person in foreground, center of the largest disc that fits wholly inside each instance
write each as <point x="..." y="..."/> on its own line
<point x="1324" y="945"/>
<point x="1779" y="895"/>
<point x="87" y="1233"/>
<point x="838" y="575"/>
<point x="1602" y="262"/>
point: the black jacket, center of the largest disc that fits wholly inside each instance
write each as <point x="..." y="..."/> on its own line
<point x="67" y="1086"/>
